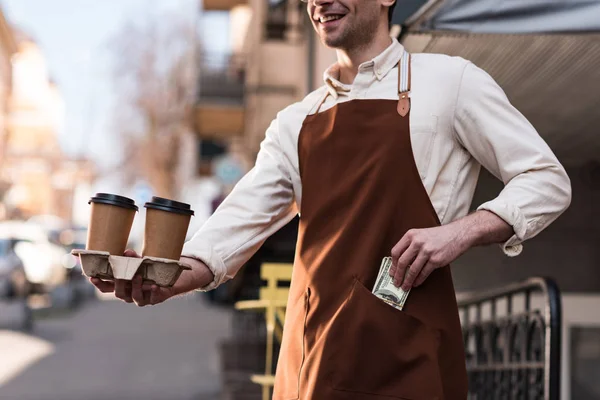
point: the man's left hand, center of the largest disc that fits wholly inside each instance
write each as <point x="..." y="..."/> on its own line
<point x="421" y="251"/>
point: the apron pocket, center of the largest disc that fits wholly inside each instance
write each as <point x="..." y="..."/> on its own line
<point x="382" y="351"/>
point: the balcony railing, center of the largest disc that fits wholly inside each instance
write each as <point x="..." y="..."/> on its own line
<point x="512" y="341"/>
<point x="222" y="79"/>
<point x="285" y="20"/>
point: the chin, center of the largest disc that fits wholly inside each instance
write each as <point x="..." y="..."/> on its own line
<point x="332" y="41"/>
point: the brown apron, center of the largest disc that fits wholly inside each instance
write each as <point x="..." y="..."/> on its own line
<point x="361" y="192"/>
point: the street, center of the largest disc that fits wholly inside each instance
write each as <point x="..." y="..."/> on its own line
<point x="111" y="350"/>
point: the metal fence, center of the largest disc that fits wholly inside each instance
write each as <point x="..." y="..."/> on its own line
<point x="512" y="341"/>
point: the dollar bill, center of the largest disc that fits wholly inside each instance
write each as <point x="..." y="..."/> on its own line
<point x="384" y="286"/>
<point x="382" y="267"/>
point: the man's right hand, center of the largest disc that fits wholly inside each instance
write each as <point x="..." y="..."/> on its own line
<point x="143" y="294"/>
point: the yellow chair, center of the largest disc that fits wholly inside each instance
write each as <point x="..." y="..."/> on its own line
<point x="272" y="301"/>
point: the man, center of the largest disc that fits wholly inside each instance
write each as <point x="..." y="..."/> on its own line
<point x="383" y="159"/>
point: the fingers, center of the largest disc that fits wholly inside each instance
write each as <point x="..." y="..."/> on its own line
<point x="398" y="250"/>
<point x="403" y="263"/>
<point x="146" y="293"/>
<point x="425" y="272"/>
<point x="123" y="290"/>
<point x="137" y="292"/>
<point x="134" y="291"/>
<point x="103" y="286"/>
<point x="130" y="291"/>
<point x="131" y="253"/>
<point x="413" y="272"/>
<point x="155" y="295"/>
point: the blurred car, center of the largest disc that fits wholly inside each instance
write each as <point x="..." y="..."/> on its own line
<point x="73" y="238"/>
<point x="50" y="223"/>
<point x="13" y="279"/>
<point x="42" y="260"/>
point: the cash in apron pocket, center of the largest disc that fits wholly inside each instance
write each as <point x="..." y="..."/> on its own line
<point x="381" y="351"/>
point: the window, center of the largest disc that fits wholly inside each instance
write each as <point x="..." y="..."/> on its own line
<point x="585" y="363"/>
<point x="208" y="150"/>
<point x="276" y="25"/>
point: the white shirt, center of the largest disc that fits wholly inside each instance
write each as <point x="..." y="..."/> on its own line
<point x="460" y="119"/>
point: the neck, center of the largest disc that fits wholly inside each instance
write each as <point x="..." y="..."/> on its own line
<point x="350" y="59"/>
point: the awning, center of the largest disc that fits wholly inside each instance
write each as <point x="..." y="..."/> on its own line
<point x="554" y="80"/>
<point x="516" y="16"/>
<point x="544" y="54"/>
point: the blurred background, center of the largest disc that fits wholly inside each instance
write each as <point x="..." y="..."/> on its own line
<point x="172" y="98"/>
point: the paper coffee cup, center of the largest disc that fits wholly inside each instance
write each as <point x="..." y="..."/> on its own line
<point x="166" y="227"/>
<point x="111" y="219"/>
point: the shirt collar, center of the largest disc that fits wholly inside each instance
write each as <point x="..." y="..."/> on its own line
<point x="379" y="66"/>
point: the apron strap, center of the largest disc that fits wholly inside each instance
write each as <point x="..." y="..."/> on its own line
<point x="404" y="78"/>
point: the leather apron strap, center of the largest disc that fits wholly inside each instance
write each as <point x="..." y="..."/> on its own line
<point x="404" y="78"/>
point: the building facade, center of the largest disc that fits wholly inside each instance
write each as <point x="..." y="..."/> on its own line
<point x="40" y="179"/>
<point x="8" y="48"/>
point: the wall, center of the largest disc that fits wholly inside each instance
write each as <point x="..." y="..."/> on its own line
<point x="239" y="22"/>
<point x="324" y="57"/>
<point x="284" y="64"/>
<point x="568" y="250"/>
<point x="276" y="74"/>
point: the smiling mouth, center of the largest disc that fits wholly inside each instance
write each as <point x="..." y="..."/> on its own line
<point x="329" y="18"/>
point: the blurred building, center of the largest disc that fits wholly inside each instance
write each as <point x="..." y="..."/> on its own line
<point x="8" y="47"/>
<point x="272" y="62"/>
<point x="41" y="179"/>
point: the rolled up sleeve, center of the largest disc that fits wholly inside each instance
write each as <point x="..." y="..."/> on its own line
<point x="259" y="205"/>
<point x="537" y="188"/>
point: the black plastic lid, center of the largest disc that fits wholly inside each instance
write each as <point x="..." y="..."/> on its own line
<point x="114" y="200"/>
<point x="158" y="203"/>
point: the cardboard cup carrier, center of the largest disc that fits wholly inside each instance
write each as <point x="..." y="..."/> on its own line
<point x="111" y="220"/>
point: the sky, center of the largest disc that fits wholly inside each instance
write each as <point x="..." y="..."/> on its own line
<point x="74" y="36"/>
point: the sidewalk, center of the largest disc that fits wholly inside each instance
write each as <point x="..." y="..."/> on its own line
<point x="112" y="350"/>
